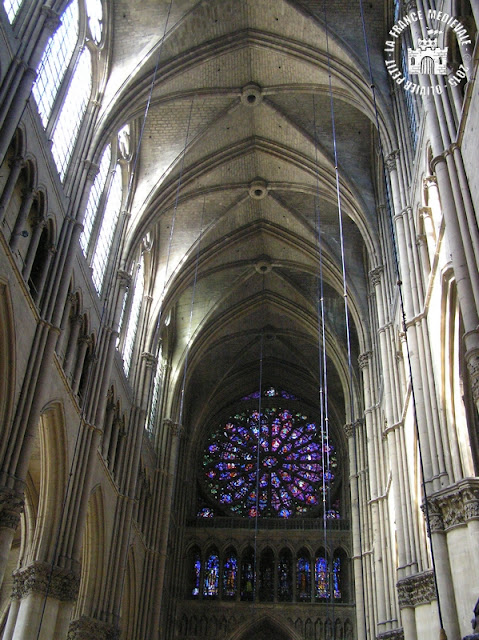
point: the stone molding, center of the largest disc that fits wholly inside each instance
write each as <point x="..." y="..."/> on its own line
<point x="39" y="577"/>
<point x="472" y="360"/>
<point x="349" y="427"/>
<point x="394" y="634"/>
<point x="416" y="590"/>
<point x="454" y="506"/>
<point x="11" y="507"/>
<point x="91" y="629"/>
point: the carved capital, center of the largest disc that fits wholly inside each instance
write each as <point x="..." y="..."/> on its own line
<point x="473" y="368"/>
<point x="11" y="506"/>
<point x="149" y="359"/>
<point x="52" y="19"/>
<point x="41" y="577"/>
<point x="87" y="628"/>
<point x="124" y="278"/>
<point x="91" y="170"/>
<point x="391" y="161"/>
<point x="177" y="430"/>
<point x="454" y="506"/>
<point x="416" y="590"/>
<point x="395" y="634"/>
<point x="375" y="276"/>
<point x="430" y="181"/>
<point x="350" y="427"/>
<point x="363" y="359"/>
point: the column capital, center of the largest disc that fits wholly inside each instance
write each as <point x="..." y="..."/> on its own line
<point x="11" y="506"/>
<point x="124" y="278"/>
<point x="363" y="359"/>
<point x="375" y="275"/>
<point x="41" y="577"/>
<point x="85" y="628"/>
<point x="391" y="160"/>
<point x="52" y="19"/>
<point x="416" y="590"/>
<point x="454" y="506"/>
<point x="91" y="170"/>
<point x="149" y="359"/>
<point x="430" y="181"/>
<point x="472" y="359"/>
<point x="351" y="427"/>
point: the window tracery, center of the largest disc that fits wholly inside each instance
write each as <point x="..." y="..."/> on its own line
<point x="296" y="464"/>
<point x="12" y="7"/>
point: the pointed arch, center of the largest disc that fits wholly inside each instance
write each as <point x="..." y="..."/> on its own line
<point x="93" y="556"/>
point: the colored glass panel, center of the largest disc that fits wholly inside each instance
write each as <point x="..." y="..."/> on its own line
<point x="321" y="578"/>
<point x="230" y="576"/>
<point x="303" y="576"/>
<point x="195" y="592"/>
<point x="336" y="575"/>
<point x="295" y="466"/>
<point x="212" y="571"/>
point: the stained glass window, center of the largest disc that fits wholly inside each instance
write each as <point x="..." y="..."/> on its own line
<point x="270" y="392"/>
<point x="94" y="198"/>
<point x="291" y="457"/>
<point x="230" y="576"/>
<point x="285" y="592"/>
<point x="303" y="578"/>
<point x="336" y="577"/>
<point x="211" y="580"/>
<point x="205" y="512"/>
<point x="266" y="570"/>
<point x="247" y="575"/>
<point x="321" y="578"/>
<point x="195" y="592"/>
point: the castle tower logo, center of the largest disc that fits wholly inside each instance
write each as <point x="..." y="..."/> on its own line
<point x="428" y="58"/>
<point x="408" y="65"/>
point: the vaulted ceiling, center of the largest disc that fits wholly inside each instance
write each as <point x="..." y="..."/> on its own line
<point x="236" y="184"/>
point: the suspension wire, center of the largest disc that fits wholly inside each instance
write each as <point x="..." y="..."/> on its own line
<point x="323" y="377"/>
<point x="258" y="449"/>
<point x="404" y="323"/>
<point x="346" y="309"/>
<point x="106" y="299"/>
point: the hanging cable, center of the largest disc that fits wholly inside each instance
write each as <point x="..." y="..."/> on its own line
<point x="258" y="464"/>
<point x="346" y="310"/>
<point x="106" y="299"/>
<point x="442" y="632"/>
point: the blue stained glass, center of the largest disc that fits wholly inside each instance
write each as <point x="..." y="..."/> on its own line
<point x="321" y="578"/>
<point x="206" y="512"/>
<point x="303" y="575"/>
<point x="212" y="569"/>
<point x="292" y="463"/>
<point x="336" y="581"/>
<point x="195" y="592"/>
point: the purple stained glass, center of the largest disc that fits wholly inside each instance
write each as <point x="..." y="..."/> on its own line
<point x="292" y="464"/>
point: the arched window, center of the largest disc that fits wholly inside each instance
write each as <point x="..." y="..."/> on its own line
<point x="230" y="575"/>
<point x="134" y="318"/>
<point x="266" y="576"/>
<point x="303" y="576"/>
<point x="94" y="198"/>
<point x="71" y="114"/>
<point x="107" y="230"/>
<point x="321" y="577"/>
<point x="247" y="574"/>
<point x="211" y="576"/>
<point x="155" y="396"/>
<point x="64" y="79"/>
<point x="12" y="7"/>
<point x="194" y="568"/>
<point x="55" y="61"/>
<point x="285" y="590"/>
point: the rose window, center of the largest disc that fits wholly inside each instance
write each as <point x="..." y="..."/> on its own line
<point x="281" y="468"/>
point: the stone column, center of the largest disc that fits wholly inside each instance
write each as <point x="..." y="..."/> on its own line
<point x="351" y="433"/>
<point x="442" y="568"/>
<point x="42" y="591"/>
<point x="175" y="432"/>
